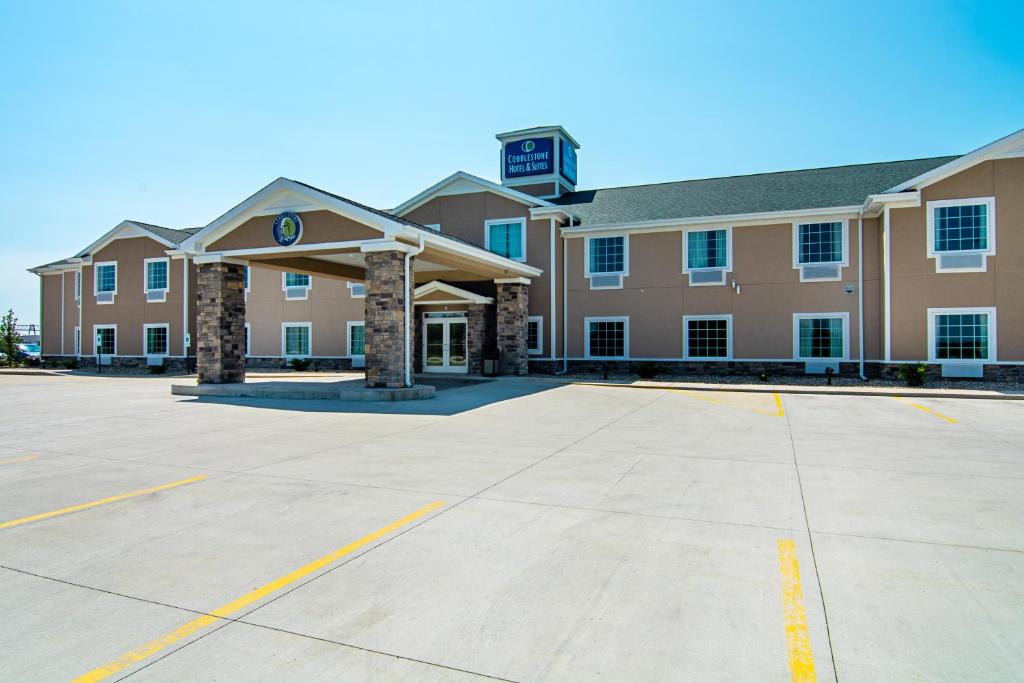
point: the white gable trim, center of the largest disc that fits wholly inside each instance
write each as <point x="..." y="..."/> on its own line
<point x="123" y="230"/>
<point x="287" y="195"/>
<point x="461" y="182"/>
<point x="460" y="294"/>
<point x="1011" y="145"/>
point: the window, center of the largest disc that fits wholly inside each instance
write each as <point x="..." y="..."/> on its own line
<point x="607" y="337"/>
<point x="246" y="270"/>
<point x="820" y="242"/>
<point x="248" y="340"/>
<point x="356" y="339"/>
<point x="821" y="335"/>
<point x="506" y="237"/>
<point x="296" y="286"/>
<point x="436" y="227"/>
<point x="105" y="281"/>
<point x="78" y="285"/>
<point x="155" y="339"/>
<point x="607" y="261"/>
<point x="295" y="339"/>
<point x="78" y="341"/>
<point x="961" y="334"/>
<point x="707" y="256"/>
<point x="105" y="339"/>
<point x="961" y="233"/>
<point x="535" y="334"/>
<point x="707" y="337"/>
<point x="357" y="290"/>
<point x="156" y="274"/>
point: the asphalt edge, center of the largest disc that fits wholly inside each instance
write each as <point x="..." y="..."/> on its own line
<point x="813" y="392"/>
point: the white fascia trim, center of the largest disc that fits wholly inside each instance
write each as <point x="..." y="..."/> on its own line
<point x="167" y="338"/>
<point x="549" y="211"/>
<point x="435" y="190"/>
<point x="124" y="230"/>
<point x="992" y="350"/>
<point x="728" y="257"/>
<point x="463" y="296"/>
<point x="297" y="249"/>
<point x="145" y="274"/>
<point x="610" y="319"/>
<point x="512" y="281"/>
<point x="875" y="203"/>
<point x="442" y="243"/>
<point x="217" y="257"/>
<point x="990" y="228"/>
<point x="538" y="130"/>
<point x="989" y="151"/>
<point x="727" y="317"/>
<point x="372" y="246"/>
<point x="319" y="201"/>
<point x="506" y="221"/>
<point x="844" y="263"/>
<point x="797" y="317"/>
<point x="284" y="327"/>
<point x="735" y="220"/>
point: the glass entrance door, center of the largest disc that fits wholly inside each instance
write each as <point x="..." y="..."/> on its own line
<point x="444" y="345"/>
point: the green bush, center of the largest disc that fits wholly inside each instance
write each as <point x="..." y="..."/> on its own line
<point x="299" y="364"/>
<point x="70" y="363"/>
<point x="645" y="370"/>
<point x="763" y="376"/>
<point x="158" y="369"/>
<point x="913" y="375"/>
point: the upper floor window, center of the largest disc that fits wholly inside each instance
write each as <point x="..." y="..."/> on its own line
<point x="78" y="285"/>
<point x="156" y="279"/>
<point x="961" y="233"/>
<point x="506" y="237"/>
<point x="105" y="281"/>
<point x="607" y="261"/>
<point x="819" y="250"/>
<point x="357" y="290"/>
<point x="296" y="286"/>
<point x="706" y="255"/>
<point x="246" y="271"/>
<point x="821" y="335"/>
<point x="436" y="227"/>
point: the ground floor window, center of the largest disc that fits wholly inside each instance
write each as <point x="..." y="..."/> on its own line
<point x="356" y="339"/>
<point x="535" y="334"/>
<point x="155" y="338"/>
<point x="247" y="340"/>
<point x="962" y="334"/>
<point x="106" y="340"/>
<point x="707" y="336"/>
<point x="821" y="335"/>
<point x="295" y="338"/>
<point x="607" y="337"/>
<point x="78" y="341"/>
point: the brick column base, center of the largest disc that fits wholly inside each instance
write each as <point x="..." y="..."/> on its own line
<point x="220" y="343"/>
<point x="386" y="292"/>
<point x="512" y="311"/>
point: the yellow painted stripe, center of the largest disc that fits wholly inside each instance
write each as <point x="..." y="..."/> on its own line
<point x="928" y="410"/>
<point x="226" y="610"/>
<point x="778" y="405"/>
<point x="24" y="458"/>
<point x="798" y="640"/>
<point x="97" y="503"/>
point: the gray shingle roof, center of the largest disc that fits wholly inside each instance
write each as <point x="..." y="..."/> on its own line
<point x="762" y="192"/>
<point x="170" y="234"/>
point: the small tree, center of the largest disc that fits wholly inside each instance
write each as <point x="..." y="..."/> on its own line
<point x="9" y="337"/>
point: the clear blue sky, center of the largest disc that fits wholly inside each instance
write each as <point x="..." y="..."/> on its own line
<point x="172" y="113"/>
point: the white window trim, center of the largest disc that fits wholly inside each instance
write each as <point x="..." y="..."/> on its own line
<point x="930" y="207"/>
<point x="728" y="257"/>
<point x="145" y="332"/>
<point x="248" y="339"/>
<point x="539" y="319"/>
<point x="348" y="338"/>
<point x="992" y="354"/>
<point x="728" y="336"/>
<point x="78" y="285"/>
<point x="797" y="317"/>
<point x="624" y="273"/>
<point x="96" y="279"/>
<point x="502" y="221"/>
<point x="843" y="263"/>
<point x="284" y="327"/>
<point x="145" y="275"/>
<point x="607" y="318"/>
<point x="95" y="331"/>
<point x="77" y="340"/>
<point x="247" y="280"/>
<point x="351" y="290"/>
<point x="436" y="227"/>
<point x="285" y="288"/>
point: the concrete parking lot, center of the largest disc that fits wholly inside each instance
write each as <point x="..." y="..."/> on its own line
<point x="517" y="530"/>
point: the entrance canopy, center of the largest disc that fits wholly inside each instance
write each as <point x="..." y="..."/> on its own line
<point x="327" y="235"/>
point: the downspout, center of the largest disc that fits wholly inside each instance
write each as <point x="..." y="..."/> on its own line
<point x="184" y="310"/>
<point x="860" y="289"/>
<point x="408" y="305"/>
<point x="63" y="304"/>
<point x="81" y="295"/>
<point x="565" y="306"/>
<point x="553" y="279"/>
<point x="886" y="242"/>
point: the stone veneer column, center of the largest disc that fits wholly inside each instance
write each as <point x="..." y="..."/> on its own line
<point x="513" y="309"/>
<point x="476" y="336"/>
<point x="220" y="343"/>
<point x="386" y="292"/>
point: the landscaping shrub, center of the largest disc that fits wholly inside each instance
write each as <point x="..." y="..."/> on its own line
<point x="299" y="364"/>
<point x="70" y="363"/>
<point x="645" y="370"/>
<point x="158" y="369"/>
<point x="913" y="375"/>
<point x="763" y="376"/>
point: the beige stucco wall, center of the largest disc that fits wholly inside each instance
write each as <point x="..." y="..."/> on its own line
<point x="463" y="216"/>
<point x="656" y="294"/>
<point x="317" y="226"/>
<point x="916" y="286"/>
<point x="329" y="307"/>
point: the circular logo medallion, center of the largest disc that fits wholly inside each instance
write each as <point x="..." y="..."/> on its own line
<point x="528" y="146"/>
<point x="287" y="229"/>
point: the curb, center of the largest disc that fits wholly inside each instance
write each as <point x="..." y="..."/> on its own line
<point x="895" y="393"/>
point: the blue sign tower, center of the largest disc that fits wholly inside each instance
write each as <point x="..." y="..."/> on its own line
<point x="539" y="161"/>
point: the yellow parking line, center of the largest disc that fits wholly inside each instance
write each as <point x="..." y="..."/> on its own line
<point x="199" y="623"/>
<point x="96" y="503"/>
<point x="798" y="640"/>
<point x="24" y="458"/>
<point x="928" y="410"/>
<point x="778" y="405"/>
